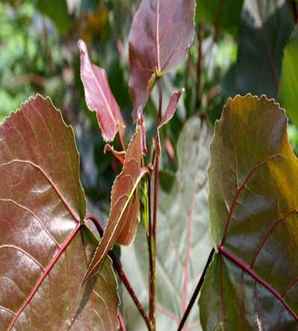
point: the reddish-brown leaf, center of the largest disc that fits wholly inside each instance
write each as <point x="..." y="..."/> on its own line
<point x="171" y="109"/>
<point x="123" y="219"/>
<point x="42" y="205"/>
<point x="161" y="33"/>
<point x="99" y="97"/>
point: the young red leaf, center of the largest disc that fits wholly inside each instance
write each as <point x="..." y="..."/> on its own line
<point x="99" y="97"/>
<point x="123" y="219"/>
<point x="171" y="109"/>
<point x="252" y="283"/>
<point x="161" y="33"/>
<point x="42" y="206"/>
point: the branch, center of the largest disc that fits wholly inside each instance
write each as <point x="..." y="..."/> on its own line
<point x="196" y="292"/>
<point x="122" y="275"/>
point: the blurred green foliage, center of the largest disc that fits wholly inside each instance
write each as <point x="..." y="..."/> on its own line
<point x="238" y="48"/>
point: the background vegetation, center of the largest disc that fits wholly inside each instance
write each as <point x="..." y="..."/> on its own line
<point x="239" y="49"/>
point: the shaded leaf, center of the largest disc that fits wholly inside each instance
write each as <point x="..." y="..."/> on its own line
<point x="222" y="14"/>
<point x="253" y="212"/>
<point x="57" y="11"/>
<point x="161" y="33"/>
<point x="99" y="97"/>
<point x="42" y="205"/>
<point x="183" y="240"/>
<point x="289" y="80"/>
<point x="171" y="109"/>
<point x="264" y="31"/>
<point x="124" y="211"/>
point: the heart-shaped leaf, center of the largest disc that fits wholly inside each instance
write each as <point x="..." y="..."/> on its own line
<point x="124" y="211"/>
<point x="182" y="237"/>
<point x="42" y="204"/>
<point x="252" y="283"/>
<point x="99" y="97"/>
<point x="161" y="33"/>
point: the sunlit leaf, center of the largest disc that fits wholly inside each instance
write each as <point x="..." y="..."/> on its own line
<point x="161" y="33"/>
<point x="252" y="283"/>
<point x="183" y="238"/>
<point x="99" y="97"/>
<point x="289" y="80"/>
<point x="42" y="205"/>
<point x="124" y="211"/>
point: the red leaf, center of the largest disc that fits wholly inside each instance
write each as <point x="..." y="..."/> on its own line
<point x="171" y="109"/>
<point x="123" y="220"/>
<point x="99" y="97"/>
<point x="161" y="33"/>
<point x="42" y="205"/>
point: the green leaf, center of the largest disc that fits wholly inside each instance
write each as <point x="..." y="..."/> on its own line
<point x="265" y="29"/>
<point x="183" y="238"/>
<point x="289" y="80"/>
<point x="252" y="282"/>
<point x="43" y="257"/>
<point x="222" y="14"/>
<point x="57" y="11"/>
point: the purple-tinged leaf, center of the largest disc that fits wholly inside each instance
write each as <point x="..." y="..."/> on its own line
<point x="252" y="283"/>
<point x="124" y="211"/>
<point x="42" y="254"/>
<point x="161" y="33"/>
<point x="99" y="97"/>
<point x="171" y="109"/>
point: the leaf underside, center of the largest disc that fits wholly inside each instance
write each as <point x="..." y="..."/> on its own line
<point x="42" y="255"/>
<point x="183" y="238"/>
<point x="161" y="33"/>
<point x="252" y="283"/>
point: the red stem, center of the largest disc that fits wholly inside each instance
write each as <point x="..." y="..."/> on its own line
<point x="154" y="193"/>
<point x="196" y="292"/>
<point x="246" y="268"/>
<point x="122" y="275"/>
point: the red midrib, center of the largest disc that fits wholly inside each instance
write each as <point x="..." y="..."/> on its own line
<point x="246" y="268"/>
<point x="44" y="275"/>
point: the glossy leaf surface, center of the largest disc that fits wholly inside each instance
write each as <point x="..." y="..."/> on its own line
<point x="42" y="255"/>
<point x="264" y="31"/>
<point x="99" y="97"/>
<point x="183" y="238"/>
<point x="161" y="33"/>
<point x="289" y="79"/>
<point x="124" y="211"/>
<point x="252" y="283"/>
